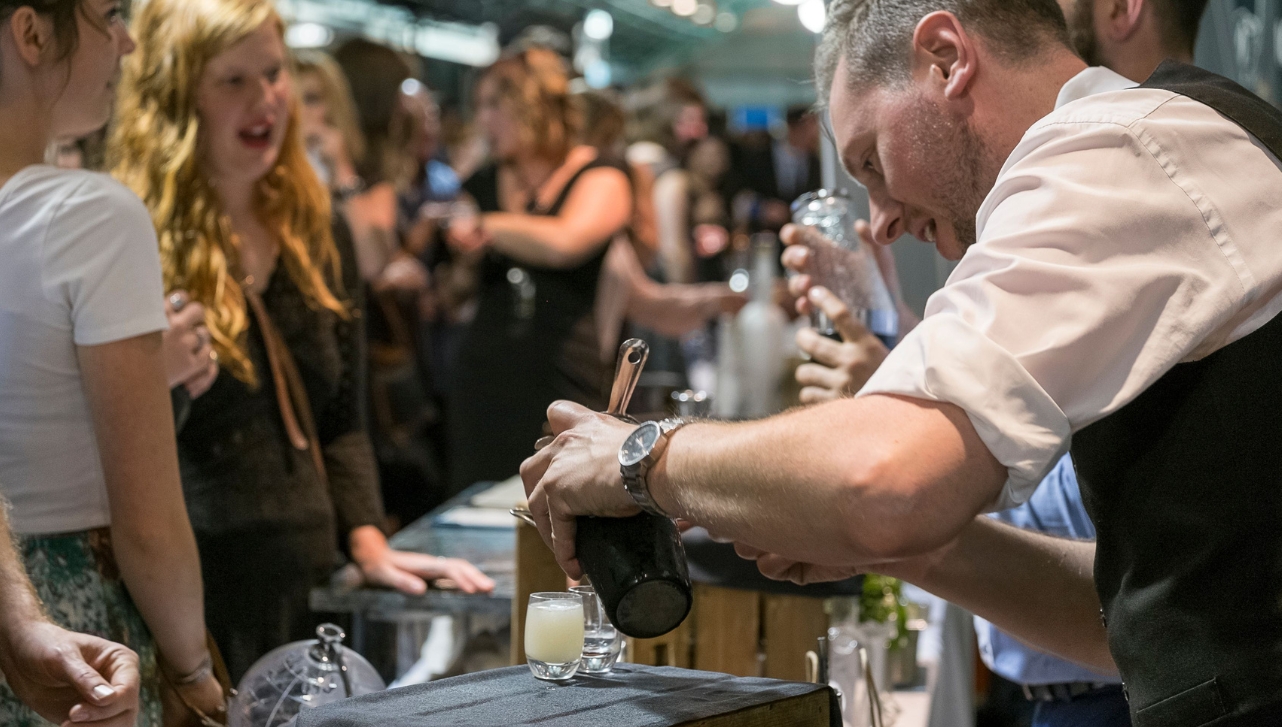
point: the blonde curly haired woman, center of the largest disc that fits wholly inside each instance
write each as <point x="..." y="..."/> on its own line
<point x="275" y="458"/>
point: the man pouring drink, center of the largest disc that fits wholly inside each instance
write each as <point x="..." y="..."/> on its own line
<point x="1117" y="290"/>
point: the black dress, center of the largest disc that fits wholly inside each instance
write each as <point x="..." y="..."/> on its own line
<point x="267" y="527"/>
<point x="533" y="341"/>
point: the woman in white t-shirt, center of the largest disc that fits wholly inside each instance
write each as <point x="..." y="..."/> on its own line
<point x="87" y="449"/>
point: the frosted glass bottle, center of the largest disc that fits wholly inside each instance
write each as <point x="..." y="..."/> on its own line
<point x="754" y="342"/>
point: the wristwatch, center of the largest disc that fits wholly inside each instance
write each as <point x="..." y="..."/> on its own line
<point x="637" y="456"/>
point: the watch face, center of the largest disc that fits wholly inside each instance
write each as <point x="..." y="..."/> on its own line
<point x="639" y="444"/>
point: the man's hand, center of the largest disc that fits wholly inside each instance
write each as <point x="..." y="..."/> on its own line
<point x="797" y="257"/>
<point x="68" y="677"/>
<point x="836" y="369"/>
<point x="577" y="474"/>
<point x="778" y="568"/>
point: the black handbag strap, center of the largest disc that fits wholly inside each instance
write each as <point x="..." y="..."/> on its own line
<point x="291" y="394"/>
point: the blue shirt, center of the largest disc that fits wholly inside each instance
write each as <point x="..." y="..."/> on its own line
<point x="1055" y="508"/>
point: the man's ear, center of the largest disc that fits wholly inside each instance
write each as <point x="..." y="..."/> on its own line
<point x="945" y="52"/>
<point x="32" y="34"/>
<point x="1122" y="19"/>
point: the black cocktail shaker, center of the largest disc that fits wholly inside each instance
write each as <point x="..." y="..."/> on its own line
<point x="636" y="564"/>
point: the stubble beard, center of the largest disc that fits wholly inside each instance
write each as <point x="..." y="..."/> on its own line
<point x="962" y="179"/>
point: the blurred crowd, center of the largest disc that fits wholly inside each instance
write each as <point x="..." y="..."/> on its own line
<point x="505" y="261"/>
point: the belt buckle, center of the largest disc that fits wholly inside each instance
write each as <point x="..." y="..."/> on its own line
<point x="1065" y="692"/>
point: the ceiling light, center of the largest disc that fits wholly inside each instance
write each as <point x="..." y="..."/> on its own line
<point x="685" y="8"/>
<point x="411" y="87"/>
<point x="598" y="24"/>
<point x="308" y="35"/>
<point x="477" y="46"/>
<point x="726" y="22"/>
<point x="812" y="15"/>
<point x="704" y="14"/>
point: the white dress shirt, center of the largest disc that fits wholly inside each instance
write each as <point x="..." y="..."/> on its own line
<point x="1130" y="230"/>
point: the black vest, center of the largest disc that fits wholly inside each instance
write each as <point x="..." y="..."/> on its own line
<point x="1185" y="487"/>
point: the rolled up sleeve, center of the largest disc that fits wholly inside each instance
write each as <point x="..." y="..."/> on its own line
<point x="1094" y="274"/>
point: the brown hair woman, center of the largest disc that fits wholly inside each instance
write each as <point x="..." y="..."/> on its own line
<point x="549" y="209"/>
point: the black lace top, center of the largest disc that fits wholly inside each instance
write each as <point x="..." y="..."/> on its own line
<point x="241" y="476"/>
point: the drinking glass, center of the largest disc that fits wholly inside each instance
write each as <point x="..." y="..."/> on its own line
<point x="601" y="641"/>
<point x="840" y="263"/>
<point x="554" y="635"/>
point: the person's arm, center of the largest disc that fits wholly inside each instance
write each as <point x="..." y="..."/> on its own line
<point x="372" y="216"/>
<point x="1034" y="586"/>
<point x="672" y="309"/>
<point x="853" y="481"/>
<point x="60" y="674"/>
<point x="597" y="207"/>
<point x="125" y="385"/>
<point x="672" y="221"/>
<point x="353" y="472"/>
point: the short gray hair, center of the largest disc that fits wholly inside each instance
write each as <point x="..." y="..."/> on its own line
<point x="874" y="35"/>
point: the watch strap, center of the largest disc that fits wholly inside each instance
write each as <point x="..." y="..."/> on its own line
<point x="636" y="479"/>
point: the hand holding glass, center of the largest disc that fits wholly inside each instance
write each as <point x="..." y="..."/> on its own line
<point x="841" y="264"/>
<point x="554" y="635"/>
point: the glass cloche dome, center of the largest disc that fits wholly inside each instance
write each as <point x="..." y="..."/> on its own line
<point x="300" y="676"/>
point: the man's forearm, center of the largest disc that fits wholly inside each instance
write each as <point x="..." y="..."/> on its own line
<point x="1036" y="587"/>
<point x="19" y="604"/>
<point x="832" y="484"/>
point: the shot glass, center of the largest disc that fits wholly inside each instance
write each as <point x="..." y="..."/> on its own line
<point x="601" y="641"/>
<point x="554" y="635"/>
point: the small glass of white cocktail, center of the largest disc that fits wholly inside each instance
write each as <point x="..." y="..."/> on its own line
<point x="554" y="635"/>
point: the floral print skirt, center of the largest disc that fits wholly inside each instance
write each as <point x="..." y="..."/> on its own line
<point x="76" y="576"/>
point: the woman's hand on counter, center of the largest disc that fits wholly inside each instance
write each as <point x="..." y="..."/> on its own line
<point x="410" y="572"/>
